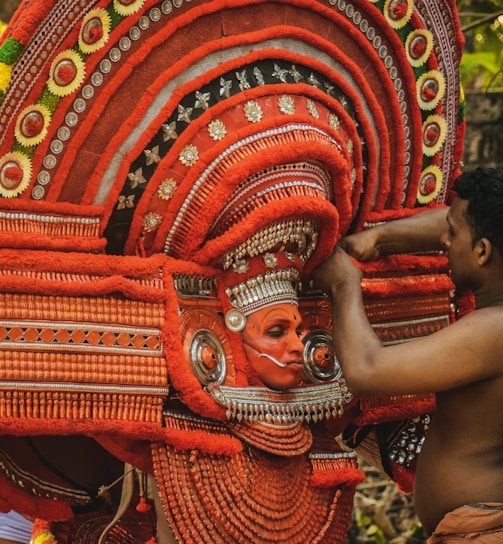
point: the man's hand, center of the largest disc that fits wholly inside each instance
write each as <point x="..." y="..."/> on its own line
<point x="337" y="271"/>
<point x="363" y="245"/>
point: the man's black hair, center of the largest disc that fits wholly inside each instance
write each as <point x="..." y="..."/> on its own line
<point x="483" y="188"/>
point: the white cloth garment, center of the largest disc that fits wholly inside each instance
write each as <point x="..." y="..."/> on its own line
<point x="15" y="527"/>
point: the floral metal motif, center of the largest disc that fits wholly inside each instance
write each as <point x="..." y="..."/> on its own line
<point x="125" y="202"/>
<point x="202" y="100"/>
<point x="286" y="104"/>
<point x="253" y="111"/>
<point x="184" y="113"/>
<point x="151" y="221"/>
<point x="166" y="189"/>
<point x="334" y="121"/>
<point x="169" y="131"/>
<point x="313" y="110"/>
<point x="241" y="266"/>
<point x="270" y="260"/>
<point x="136" y="178"/>
<point x="189" y="155"/>
<point x="152" y="155"/>
<point x="217" y="130"/>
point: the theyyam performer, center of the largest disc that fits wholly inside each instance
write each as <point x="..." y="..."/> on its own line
<point x="171" y="172"/>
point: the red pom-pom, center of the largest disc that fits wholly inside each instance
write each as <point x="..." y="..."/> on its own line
<point x="143" y="505"/>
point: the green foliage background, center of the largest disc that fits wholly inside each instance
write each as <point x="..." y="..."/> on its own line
<point x="482" y="27"/>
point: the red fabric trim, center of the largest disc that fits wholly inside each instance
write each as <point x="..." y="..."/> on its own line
<point x="102" y="287"/>
<point x="130" y="267"/>
<point x="381" y="410"/>
<point x="347" y="477"/>
<point x="406" y="262"/>
<point x="134" y="452"/>
<point x="428" y="284"/>
<point x="19" y="240"/>
<point x="465" y="302"/>
<point x="28" y="17"/>
<point x="30" y="506"/>
<point x="206" y="442"/>
<point x="403" y="478"/>
<point x="311" y="209"/>
<point x="88" y="427"/>
<point x="59" y="209"/>
<point x="391" y="215"/>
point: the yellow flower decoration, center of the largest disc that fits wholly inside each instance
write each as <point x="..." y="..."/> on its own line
<point x="5" y="75"/>
<point x="67" y="73"/>
<point x="3" y="26"/>
<point x="398" y="12"/>
<point x="429" y="184"/>
<point x="418" y="46"/>
<point x="127" y="7"/>
<point x="430" y="89"/>
<point x="94" y="31"/>
<point x="31" y="125"/>
<point x="434" y="133"/>
<point x="45" y="539"/>
<point x="15" y="174"/>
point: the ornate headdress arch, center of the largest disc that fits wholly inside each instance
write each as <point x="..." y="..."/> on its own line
<point x="149" y="147"/>
<point x="92" y="128"/>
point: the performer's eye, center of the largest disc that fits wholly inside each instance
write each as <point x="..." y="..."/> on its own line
<point x="276" y="332"/>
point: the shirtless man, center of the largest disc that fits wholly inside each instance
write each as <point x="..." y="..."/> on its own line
<point x="459" y="478"/>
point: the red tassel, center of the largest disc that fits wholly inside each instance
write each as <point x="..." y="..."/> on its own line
<point x="143" y="506"/>
<point x="41" y="533"/>
<point x="153" y="540"/>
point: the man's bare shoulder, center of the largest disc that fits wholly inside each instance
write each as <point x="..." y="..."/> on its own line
<point x="468" y="351"/>
<point x="480" y="332"/>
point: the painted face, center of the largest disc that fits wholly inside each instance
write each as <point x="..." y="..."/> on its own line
<point x="457" y="240"/>
<point x="273" y="346"/>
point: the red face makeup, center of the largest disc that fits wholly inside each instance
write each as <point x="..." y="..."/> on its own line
<point x="273" y="345"/>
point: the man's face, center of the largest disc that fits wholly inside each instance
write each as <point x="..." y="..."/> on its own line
<point x="273" y="346"/>
<point x="457" y="240"/>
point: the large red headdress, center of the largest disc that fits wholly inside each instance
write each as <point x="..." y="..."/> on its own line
<point x="149" y="149"/>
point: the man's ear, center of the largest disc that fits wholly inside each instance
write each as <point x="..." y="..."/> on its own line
<point x="484" y="251"/>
